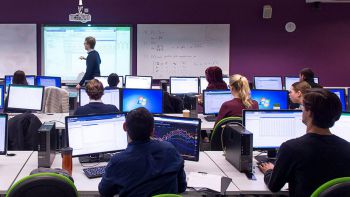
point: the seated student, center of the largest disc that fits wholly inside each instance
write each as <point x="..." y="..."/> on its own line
<point x="306" y="74"/>
<point x="147" y="167"/>
<point x="215" y="79"/>
<point x="297" y="90"/>
<point x="315" y="158"/>
<point x="240" y="90"/>
<point x="94" y="89"/>
<point x="19" y="78"/>
<point x="171" y="103"/>
<point x="113" y="81"/>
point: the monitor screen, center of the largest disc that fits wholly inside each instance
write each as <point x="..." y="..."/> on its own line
<point x="2" y="97"/>
<point x="141" y="82"/>
<point x="3" y="134"/>
<point x="111" y="96"/>
<point x="341" y="94"/>
<point x="268" y="83"/>
<point x="33" y="97"/>
<point x="151" y="99"/>
<point x="8" y="80"/>
<point x="288" y="81"/>
<point x="271" y="128"/>
<point x="341" y="127"/>
<point x="268" y="98"/>
<point x="48" y="81"/>
<point x="104" y="81"/>
<point x="204" y="83"/>
<point x="96" y="133"/>
<point x="213" y="99"/>
<point x="184" y="85"/>
<point x="62" y="45"/>
<point x="183" y="133"/>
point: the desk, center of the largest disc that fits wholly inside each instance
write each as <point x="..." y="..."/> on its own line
<point x="205" y="125"/>
<point x="10" y="167"/>
<point x="89" y="187"/>
<point x="245" y="185"/>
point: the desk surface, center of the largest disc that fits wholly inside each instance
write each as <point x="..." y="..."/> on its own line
<point x="10" y="167"/>
<point x="87" y="186"/>
<point x="245" y="185"/>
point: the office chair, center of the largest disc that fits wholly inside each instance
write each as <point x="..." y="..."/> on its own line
<point x="335" y="187"/>
<point x="56" y="100"/>
<point x="43" y="184"/>
<point x="216" y="136"/>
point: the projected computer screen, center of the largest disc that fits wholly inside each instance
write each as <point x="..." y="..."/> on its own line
<point x="111" y="97"/>
<point x="268" y="83"/>
<point x="96" y="133"/>
<point x="48" y="81"/>
<point x="341" y="94"/>
<point x="2" y="96"/>
<point x="8" y="80"/>
<point x="104" y="81"/>
<point x="213" y="99"/>
<point x="184" y="85"/>
<point x="267" y="99"/>
<point x="150" y="99"/>
<point x="288" y="81"/>
<point x="183" y="133"/>
<point x="204" y="83"/>
<point x="25" y="97"/>
<point x="63" y="45"/>
<point x="3" y="133"/>
<point x="271" y="128"/>
<point x="141" y="82"/>
<point x="341" y="127"/>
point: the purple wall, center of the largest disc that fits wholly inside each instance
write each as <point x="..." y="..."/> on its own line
<point x="258" y="47"/>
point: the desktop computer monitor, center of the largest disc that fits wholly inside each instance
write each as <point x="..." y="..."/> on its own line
<point x="204" y="83"/>
<point x="140" y="82"/>
<point x="151" y="99"/>
<point x="111" y="96"/>
<point x="104" y="81"/>
<point x="2" y="96"/>
<point x="341" y="127"/>
<point x="213" y="99"/>
<point x="48" y="81"/>
<point x="268" y="83"/>
<point x="3" y="134"/>
<point x="271" y="128"/>
<point x="267" y="99"/>
<point x="91" y="134"/>
<point x="340" y="92"/>
<point x="289" y="80"/>
<point x="25" y="97"/>
<point x="184" y="85"/>
<point x="9" y="78"/>
<point x="183" y="133"/>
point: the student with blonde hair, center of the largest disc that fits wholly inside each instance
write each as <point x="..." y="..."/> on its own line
<point x="297" y="90"/>
<point x="240" y="90"/>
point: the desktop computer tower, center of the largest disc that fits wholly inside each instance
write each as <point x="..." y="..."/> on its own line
<point x="46" y="144"/>
<point x="239" y="147"/>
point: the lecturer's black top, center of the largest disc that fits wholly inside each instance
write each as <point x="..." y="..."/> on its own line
<point x="93" y="62"/>
<point x="309" y="161"/>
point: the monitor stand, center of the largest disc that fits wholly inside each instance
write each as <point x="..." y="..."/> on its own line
<point x="270" y="157"/>
<point x="95" y="158"/>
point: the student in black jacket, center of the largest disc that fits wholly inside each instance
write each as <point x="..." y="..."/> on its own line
<point x="113" y="81"/>
<point x="93" y="61"/>
<point x="95" y="91"/>
<point x="306" y="74"/>
<point x="315" y="158"/>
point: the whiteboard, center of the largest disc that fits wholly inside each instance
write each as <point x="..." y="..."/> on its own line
<point x="165" y="50"/>
<point x="18" y="49"/>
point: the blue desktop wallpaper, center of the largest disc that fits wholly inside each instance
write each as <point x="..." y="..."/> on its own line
<point x="267" y="98"/>
<point x="149" y="99"/>
<point x="341" y="94"/>
<point x="2" y="92"/>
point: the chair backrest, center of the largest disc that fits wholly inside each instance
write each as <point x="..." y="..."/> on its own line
<point x="335" y="187"/>
<point x="56" y="100"/>
<point x="215" y="140"/>
<point x="43" y="184"/>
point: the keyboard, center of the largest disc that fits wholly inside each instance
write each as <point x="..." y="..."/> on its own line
<point x="210" y="118"/>
<point x="94" y="172"/>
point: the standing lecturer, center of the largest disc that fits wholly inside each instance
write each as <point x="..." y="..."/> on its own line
<point x="93" y="61"/>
